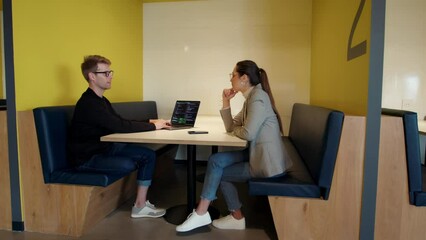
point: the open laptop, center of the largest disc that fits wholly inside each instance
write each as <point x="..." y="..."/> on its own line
<point x="184" y="114"/>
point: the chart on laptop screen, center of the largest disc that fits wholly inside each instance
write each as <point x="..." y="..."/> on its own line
<point x="185" y="112"/>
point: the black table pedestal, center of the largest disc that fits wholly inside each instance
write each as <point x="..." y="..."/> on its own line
<point x="178" y="214"/>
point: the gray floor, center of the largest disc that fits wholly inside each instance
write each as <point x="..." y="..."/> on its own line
<point x="169" y="189"/>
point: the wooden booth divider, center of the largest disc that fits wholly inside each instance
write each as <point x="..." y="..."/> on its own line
<point x="396" y="218"/>
<point x="339" y="216"/>
<point x="5" y="197"/>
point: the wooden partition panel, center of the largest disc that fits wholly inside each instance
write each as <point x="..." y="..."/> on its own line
<point x="395" y="217"/>
<point x="5" y="201"/>
<point x="61" y="208"/>
<point x="339" y="216"/>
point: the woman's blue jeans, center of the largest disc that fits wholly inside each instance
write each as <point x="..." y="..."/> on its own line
<point x="124" y="158"/>
<point x="223" y="168"/>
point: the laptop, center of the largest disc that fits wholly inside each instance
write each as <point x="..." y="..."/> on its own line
<point x="184" y="114"/>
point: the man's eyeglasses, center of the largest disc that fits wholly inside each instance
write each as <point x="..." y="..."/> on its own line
<point x="106" y="73"/>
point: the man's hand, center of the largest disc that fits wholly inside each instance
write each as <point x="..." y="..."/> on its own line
<point x="160" y="123"/>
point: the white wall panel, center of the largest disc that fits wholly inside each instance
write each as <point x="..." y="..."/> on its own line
<point x="190" y="48"/>
<point x="404" y="76"/>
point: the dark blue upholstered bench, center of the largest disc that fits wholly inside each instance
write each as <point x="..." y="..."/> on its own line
<point x="416" y="172"/>
<point x="52" y="125"/>
<point x="312" y="145"/>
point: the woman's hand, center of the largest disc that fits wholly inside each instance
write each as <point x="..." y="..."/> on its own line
<point x="160" y="123"/>
<point x="227" y="95"/>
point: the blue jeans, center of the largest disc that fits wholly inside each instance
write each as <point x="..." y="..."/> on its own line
<point x="223" y="168"/>
<point x="124" y="158"/>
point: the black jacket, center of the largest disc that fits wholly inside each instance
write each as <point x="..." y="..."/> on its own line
<point x="93" y="118"/>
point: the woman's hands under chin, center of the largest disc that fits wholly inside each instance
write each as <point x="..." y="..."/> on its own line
<point x="227" y="95"/>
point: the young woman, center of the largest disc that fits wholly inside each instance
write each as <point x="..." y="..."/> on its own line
<point x="258" y="123"/>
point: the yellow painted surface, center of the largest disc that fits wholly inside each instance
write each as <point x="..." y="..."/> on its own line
<point x="335" y="81"/>
<point x="51" y="38"/>
<point x="156" y="1"/>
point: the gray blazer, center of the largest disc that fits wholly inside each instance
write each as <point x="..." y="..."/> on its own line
<point x="258" y="124"/>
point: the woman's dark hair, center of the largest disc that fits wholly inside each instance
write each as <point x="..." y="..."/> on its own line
<point x="258" y="75"/>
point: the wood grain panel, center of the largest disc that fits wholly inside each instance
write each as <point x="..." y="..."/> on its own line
<point x="396" y="219"/>
<point x="339" y="216"/>
<point x="5" y="201"/>
<point x="61" y="208"/>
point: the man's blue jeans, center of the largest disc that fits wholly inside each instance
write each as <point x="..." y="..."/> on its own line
<point x="224" y="168"/>
<point x="123" y="158"/>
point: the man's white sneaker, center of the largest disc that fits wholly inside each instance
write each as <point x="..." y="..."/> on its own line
<point x="229" y="222"/>
<point x="148" y="211"/>
<point x="194" y="221"/>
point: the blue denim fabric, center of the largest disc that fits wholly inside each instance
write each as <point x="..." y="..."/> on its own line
<point x="124" y="158"/>
<point x="223" y="168"/>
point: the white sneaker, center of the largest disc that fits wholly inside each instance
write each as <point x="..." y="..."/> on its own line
<point x="194" y="221"/>
<point x="229" y="222"/>
<point x="148" y="211"/>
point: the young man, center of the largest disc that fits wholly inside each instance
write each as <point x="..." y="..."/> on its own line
<point x="94" y="117"/>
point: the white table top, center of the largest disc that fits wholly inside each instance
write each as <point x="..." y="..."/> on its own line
<point x="217" y="135"/>
<point x="422" y="126"/>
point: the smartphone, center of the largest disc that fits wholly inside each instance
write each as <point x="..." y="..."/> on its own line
<point x="198" y="132"/>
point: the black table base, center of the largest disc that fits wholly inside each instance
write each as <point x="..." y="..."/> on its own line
<point x="178" y="214"/>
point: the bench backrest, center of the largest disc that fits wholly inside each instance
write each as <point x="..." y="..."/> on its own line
<point x="136" y="110"/>
<point x="52" y="126"/>
<point x="315" y="133"/>
<point x="412" y="150"/>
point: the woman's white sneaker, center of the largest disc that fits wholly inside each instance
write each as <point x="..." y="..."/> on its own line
<point x="229" y="222"/>
<point x="194" y="221"/>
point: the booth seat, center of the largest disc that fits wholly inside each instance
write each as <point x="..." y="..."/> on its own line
<point x="57" y="199"/>
<point x="319" y="197"/>
<point x="415" y="170"/>
<point x="312" y="146"/>
<point x="400" y="201"/>
<point x="52" y="126"/>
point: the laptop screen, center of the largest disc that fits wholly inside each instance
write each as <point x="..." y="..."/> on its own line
<point x="185" y="113"/>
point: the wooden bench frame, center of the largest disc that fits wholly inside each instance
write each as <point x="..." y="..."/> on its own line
<point x="5" y="197"/>
<point x="396" y="218"/>
<point x="339" y="216"/>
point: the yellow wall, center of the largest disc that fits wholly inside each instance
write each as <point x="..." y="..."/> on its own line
<point x="156" y="1"/>
<point x="335" y="81"/>
<point x="51" y="38"/>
